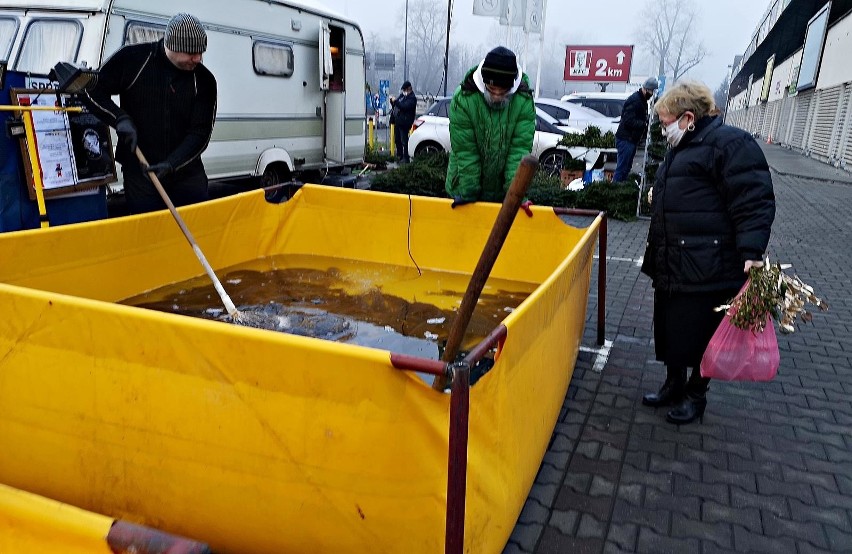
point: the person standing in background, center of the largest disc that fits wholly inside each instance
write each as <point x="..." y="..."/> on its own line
<point x="632" y="128"/>
<point x="403" y="112"/>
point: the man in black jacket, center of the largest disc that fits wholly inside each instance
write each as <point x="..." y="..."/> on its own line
<point x="631" y="129"/>
<point x="168" y="106"/>
<point x="405" y="108"/>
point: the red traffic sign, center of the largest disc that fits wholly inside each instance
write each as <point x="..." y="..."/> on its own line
<point x="600" y="64"/>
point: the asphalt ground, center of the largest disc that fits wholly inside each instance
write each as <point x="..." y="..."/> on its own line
<point x="770" y="468"/>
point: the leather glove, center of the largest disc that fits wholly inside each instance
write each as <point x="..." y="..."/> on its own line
<point x="160" y="169"/>
<point x="458" y="201"/>
<point x="127" y="132"/>
<point x="526" y="206"/>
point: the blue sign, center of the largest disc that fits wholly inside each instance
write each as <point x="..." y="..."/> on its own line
<point x="662" y="81"/>
<point x="384" y="92"/>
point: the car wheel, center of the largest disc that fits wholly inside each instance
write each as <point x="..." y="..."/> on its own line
<point x="551" y="162"/>
<point x="428" y="148"/>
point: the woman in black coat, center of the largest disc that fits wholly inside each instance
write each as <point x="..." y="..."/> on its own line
<point x="711" y="216"/>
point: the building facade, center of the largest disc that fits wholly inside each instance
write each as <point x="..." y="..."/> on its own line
<point x="793" y="85"/>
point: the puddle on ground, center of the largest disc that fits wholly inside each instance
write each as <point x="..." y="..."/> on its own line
<point x="376" y="305"/>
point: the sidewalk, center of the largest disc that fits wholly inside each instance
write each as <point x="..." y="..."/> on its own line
<point x="769" y="470"/>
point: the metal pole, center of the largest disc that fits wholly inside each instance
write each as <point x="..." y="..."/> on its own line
<point x="509" y="25"/>
<point x="405" y="46"/>
<point x="457" y="463"/>
<point x="447" y="48"/>
<point x="540" y="50"/>
<point x="727" y="94"/>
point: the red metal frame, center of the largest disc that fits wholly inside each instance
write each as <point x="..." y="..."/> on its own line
<point x="460" y="394"/>
<point x="127" y="538"/>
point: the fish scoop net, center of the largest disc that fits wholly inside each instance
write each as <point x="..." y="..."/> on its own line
<point x="306" y="322"/>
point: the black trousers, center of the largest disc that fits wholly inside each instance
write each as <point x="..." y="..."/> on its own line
<point x="187" y="186"/>
<point x="401" y="139"/>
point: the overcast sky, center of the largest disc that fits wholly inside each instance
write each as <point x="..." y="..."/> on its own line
<point x="725" y="26"/>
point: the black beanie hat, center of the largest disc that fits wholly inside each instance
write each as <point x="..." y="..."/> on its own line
<point x="184" y="33"/>
<point x="500" y="68"/>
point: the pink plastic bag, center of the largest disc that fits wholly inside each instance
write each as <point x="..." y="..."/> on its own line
<point x="735" y="354"/>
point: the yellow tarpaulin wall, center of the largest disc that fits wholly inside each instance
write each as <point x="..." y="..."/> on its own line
<point x="31" y="524"/>
<point x="255" y="441"/>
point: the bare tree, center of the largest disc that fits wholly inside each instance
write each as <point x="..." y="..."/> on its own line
<point x="667" y="30"/>
<point x="463" y="56"/>
<point x="427" y="33"/>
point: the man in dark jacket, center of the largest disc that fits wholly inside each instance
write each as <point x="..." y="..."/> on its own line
<point x="404" y="109"/>
<point x="168" y="105"/>
<point x="631" y="129"/>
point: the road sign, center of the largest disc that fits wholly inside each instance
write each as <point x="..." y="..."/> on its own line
<point x="599" y="64"/>
<point x="384" y="61"/>
<point x="384" y="94"/>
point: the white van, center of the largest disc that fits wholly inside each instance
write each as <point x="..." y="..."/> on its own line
<point x="291" y="74"/>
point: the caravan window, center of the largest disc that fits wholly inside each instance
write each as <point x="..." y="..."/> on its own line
<point x="8" y="30"/>
<point x="272" y="59"/>
<point x="136" y="32"/>
<point x="48" y="41"/>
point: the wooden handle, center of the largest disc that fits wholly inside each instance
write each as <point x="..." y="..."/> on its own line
<point x="226" y="300"/>
<point x="499" y="232"/>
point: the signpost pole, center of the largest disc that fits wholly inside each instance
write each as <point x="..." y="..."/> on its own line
<point x="540" y="49"/>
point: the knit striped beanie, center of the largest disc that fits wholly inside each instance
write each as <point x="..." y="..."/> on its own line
<point x="184" y="33"/>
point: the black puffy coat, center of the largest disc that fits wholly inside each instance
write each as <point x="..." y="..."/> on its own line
<point x="634" y="118"/>
<point x="713" y="208"/>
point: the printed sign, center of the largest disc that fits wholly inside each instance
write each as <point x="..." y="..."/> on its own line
<point x="600" y="64"/>
<point x="72" y="150"/>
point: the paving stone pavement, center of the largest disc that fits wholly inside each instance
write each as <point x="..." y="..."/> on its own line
<point x="769" y="470"/>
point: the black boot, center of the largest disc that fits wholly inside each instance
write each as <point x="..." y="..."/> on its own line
<point x="694" y="402"/>
<point x="671" y="392"/>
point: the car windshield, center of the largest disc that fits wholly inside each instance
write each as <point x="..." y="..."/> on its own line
<point x="546" y="117"/>
<point x="546" y="123"/>
<point x="440" y="108"/>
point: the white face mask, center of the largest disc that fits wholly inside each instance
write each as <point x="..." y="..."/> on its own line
<point x="673" y="132"/>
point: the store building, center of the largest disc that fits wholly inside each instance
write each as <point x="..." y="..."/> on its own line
<point x="793" y="85"/>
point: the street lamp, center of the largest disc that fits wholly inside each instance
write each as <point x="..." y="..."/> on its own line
<point x="405" y="47"/>
<point x="447" y="49"/>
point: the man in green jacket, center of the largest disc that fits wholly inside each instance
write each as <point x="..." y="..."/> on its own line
<point x="492" y="126"/>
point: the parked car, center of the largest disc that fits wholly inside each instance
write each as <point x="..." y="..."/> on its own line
<point x="431" y="133"/>
<point x="608" y="103"/>
<point x="576" y="116"/>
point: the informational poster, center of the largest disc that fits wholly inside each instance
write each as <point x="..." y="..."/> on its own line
<point x="73" y="150"/>
<point x="53" y="141"/>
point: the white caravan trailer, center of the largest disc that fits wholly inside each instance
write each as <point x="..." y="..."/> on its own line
<point x="290" y="74"/>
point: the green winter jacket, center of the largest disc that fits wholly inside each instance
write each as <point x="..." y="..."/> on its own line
<point x="487" y="143"/>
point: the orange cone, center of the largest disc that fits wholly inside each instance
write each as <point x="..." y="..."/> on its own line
<point x="769" y="139"/>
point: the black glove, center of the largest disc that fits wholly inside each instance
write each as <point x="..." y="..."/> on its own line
<point x="127" y="132"/>
<point x="160" y="170"/>
<point x="458" y="201"/>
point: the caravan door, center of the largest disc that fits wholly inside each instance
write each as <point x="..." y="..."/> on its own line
<point x="331" y="57"/>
